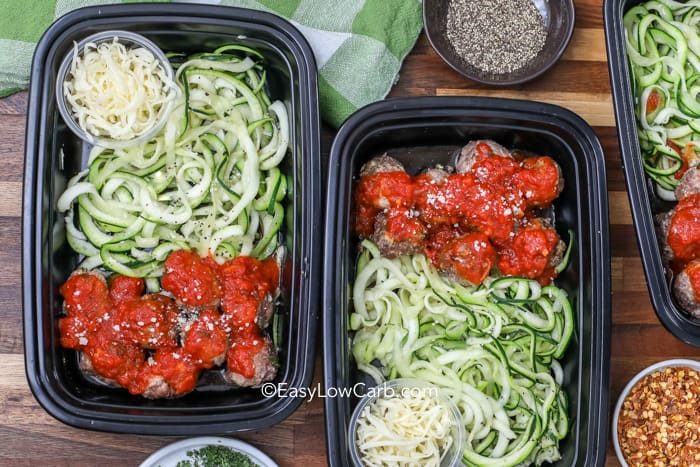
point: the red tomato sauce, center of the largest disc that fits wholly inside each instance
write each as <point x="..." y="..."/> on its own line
<point x="653" y="102"/>
<point x="139" y="340"/>
<point x="687" y="155"/>
<point x="684" y="230"/>
<point x="470" y="256"/>
<point x="386" y="190"/>
<point x="538" y="179"/>
<point x="245" y="284"/>
<point x="125" y="288"/>
<point x="467" y="223"/>
<point x="403" y="226"/>
<point x="147" y="321"/>
<point x="240" y="356"/>
<point x="528" y="253"/>
<point x="191" y="279"/>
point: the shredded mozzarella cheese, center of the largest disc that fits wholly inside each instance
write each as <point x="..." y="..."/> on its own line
<point x="411" y="428"/>
<point x="117" y="92"/>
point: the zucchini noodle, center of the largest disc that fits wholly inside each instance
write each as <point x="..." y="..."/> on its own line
<point x="493" y="349"/>
<point x="209" y="181"/>
<point x="663" y="49"/>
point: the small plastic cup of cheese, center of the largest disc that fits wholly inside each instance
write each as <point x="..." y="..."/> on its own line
<point x="115" y="89"/>
<point x="406" y="421"/>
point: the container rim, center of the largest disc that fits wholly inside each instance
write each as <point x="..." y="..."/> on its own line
<point x="445" y="107"/>
<point x="673" y="319"/>
<point x="260" y="414"/>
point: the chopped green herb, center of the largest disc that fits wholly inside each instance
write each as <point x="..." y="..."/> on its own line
<point x="216" y="456"/>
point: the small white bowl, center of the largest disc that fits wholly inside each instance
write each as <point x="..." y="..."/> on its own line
<point x="129" y="39"/>
<point x="173" y="453"/>
<point x="393" y="388"/>
<point x="673" y="363"/>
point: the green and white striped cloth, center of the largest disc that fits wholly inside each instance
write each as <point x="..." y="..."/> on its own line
<point x="359" y="45"/>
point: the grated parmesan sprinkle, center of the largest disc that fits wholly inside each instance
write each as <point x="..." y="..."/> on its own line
<point x="116" y="92"/>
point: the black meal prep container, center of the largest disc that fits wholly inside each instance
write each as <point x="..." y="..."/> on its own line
<point x="425" y="131"/>
<point x="643" y="200"/>
<point x="52" y="371"/>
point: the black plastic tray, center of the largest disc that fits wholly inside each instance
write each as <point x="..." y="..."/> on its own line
<point x="53" y="373"/>
<point x="643" y="200"/>
<point x="424" y="131"/>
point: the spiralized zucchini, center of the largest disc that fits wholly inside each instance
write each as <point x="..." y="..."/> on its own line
<point x="209" y="181"/>
<point x="663" y="47"/>
<point x="493" y="349"/>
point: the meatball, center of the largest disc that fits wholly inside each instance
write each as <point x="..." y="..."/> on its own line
<point x="557" y="255"/>
<point x="125" y="288"/>
<point x="534" y="252"/>
<point x="245" y="304"/>
<point x="112" y="359"/>
<point x="261" y="369"/>
<point x="88" y="369"/>
<point x="86" y="293"/>
<point x="684" y="288"/>
<point x="381" y="164"/>
<point x="398" y="232"/>
<point x="437" y="175"/>
<point x="540" y="180"/>
<point x="690" y="183"/>
<point x="191" y="279"/>
<point x="663" y="224"/>
<point x="148" y="321"/>
<point x="168" y="373"/>
<point x="491" y="211"/>
<point x="684" y="230"/>
<point x="86" y="303"/>
<point x="467" y="259"/>
<point x="383" y="184"/>
<point x="440" y="203"/>
<point x="205" y="340"/>
<point x="265" y="311"/>
<point x="249" y="314"/>
<point x="158" y="388"/>
<point x="469" y="153"/>
<point x="86" y="366"/>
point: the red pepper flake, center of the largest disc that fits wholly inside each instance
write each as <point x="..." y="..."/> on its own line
<point x="659" y="422"/>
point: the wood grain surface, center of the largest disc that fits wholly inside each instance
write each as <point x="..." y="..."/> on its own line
<point x="580" y="82"/>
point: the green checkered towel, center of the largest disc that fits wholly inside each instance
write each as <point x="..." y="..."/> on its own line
<point x="359" y="44"/>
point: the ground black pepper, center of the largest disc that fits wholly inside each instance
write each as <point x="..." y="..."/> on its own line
<point x="495" y="36"/>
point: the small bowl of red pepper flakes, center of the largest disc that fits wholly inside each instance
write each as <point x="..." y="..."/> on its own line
<point x="656" y="421"/>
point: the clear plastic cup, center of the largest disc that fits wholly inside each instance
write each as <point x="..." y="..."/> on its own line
<point x="130" y="40"/>
<point x="394" y="388"/>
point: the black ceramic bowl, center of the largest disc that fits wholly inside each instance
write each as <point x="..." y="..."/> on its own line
<point x="643" y="199"/>
<point x="423" y="132"/>
<point x="54" y="154"/>
<point x="558" y="15"/>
